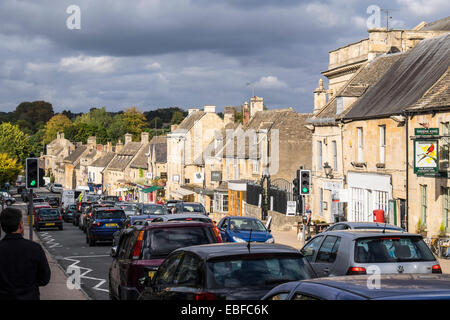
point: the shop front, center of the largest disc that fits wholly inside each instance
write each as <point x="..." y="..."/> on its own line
<point x="236" y="194"/>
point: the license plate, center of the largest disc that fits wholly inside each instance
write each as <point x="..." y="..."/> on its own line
<point x="151" y="274"/>
<point x="49" y="224"/>
<point x="111" y="225"/>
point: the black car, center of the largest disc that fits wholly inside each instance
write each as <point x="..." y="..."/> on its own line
<point x="363" y="287"/>
<point x="80" y="208"/>
<point x="53" y="201"/>
<point x="48" y="218"/>
<point x="69" y="212"/>
<point x="226" y="272"/>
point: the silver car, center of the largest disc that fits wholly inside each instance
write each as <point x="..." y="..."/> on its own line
<point x="350" y="252"/>
<point x="56" y="188"/>
<point x="362" y="226"/>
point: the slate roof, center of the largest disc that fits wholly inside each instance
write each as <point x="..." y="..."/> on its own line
<point x="141" y="160"/>
<point x="365" y="77"/>
<point x="190" y="120"/>
<point x="406" y="81"/>
<point x="443" y="25"/>
<point x="158" y="144"/>
<point x="103" y="161"/>
<point x="437" y="97"/>
<point x="125" y="156"/>
<point x="76" y="154"/>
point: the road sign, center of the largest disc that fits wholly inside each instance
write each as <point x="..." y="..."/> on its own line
<point x="291" y="209"/>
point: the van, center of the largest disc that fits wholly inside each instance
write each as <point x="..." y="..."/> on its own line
<point x="67" y="198"/>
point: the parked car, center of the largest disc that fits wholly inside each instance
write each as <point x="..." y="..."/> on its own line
<point x="350" y="252"/>
<point x="131" y="209"/>
<point x="40" y="206"/>
<point x="110" y="198"/>
<point x="153" y="209"/>
<point x="40" y="200"/>
<point x="142" y="249"/>
<point x="105" y="222"/>
<point x="69" y="212"/>
<point x="362" y="225"/>
<point x="8" y="198"/>
<point x="238" y="229"/>
<point x="56" y="188"/>
<point x="53" y="201"/>
<point x="226" y="272"/>
<point x="80" y="208"/>
<point x="183" y="217"/>
<point x="193" y="207"/>
<point x="87" y="216"/>
<point x="391" y="287"/>
<point x="48" y="218"/>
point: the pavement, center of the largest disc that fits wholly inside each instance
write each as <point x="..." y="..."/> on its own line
<point x="57" y="288"/>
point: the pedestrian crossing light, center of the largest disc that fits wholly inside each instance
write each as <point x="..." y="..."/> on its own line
<point x="32" y="173"/>
<point x="305" y="182"/>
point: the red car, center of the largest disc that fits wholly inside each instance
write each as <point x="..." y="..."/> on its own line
<point x="142" y="249"/>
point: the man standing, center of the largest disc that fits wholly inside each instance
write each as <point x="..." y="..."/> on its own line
<point x="308" y="219"/>
<point x="23" y="264"/>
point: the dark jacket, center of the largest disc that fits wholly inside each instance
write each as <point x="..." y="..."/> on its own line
<point x="23" y="268"/>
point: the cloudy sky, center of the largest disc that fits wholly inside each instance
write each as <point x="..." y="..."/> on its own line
<point x="186" y="53"/>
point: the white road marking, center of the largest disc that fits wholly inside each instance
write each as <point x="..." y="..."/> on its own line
<point x="48" y="239"/>
<point x="88" y="270"/>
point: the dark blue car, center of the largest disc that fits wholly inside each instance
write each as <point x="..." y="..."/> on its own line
<point x="366" y="287"/>
<point x="105" y="221"/>
<point x="238" y="229"/>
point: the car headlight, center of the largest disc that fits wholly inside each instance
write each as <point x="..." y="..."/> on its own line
<point x="237" y="239"/>
<point x="270" y="240"/>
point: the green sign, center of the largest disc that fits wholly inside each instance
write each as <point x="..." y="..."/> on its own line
<point x="426" y="131"/>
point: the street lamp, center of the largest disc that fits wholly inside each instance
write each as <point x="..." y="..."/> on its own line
<point x="328" y="170"/>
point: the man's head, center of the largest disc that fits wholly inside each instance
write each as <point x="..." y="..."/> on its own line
<point x="11" y="221"/>
<point x="306" y="206"/>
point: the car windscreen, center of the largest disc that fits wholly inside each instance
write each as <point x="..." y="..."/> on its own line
<point x="58" y="185"/>
<point x="256" y="270"/>
<point x="38" y="200"/>
<point x="392" y="249"/>
<point x="193" y="208"/>
<point x="110" y="214"/>
<point x="154" y="210"/>
<point x="48" y="212"/>
<point x="246" y="225"/>
<point x="206" y="220"/>
<point x="162" y="241"/>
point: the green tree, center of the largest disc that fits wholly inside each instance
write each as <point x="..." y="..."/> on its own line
<point x="14" y="142"/>
<point x="36" y="142"/>
<point x="9" y="169"/>
<point x="134" y="121"/>
<point x="156" y="122"/>
<point x="54" y="126"/>
<point x="177" y="117"/>
<point x="34" y="112"/>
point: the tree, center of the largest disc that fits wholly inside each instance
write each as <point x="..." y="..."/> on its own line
<point x="134" y="121"/>
<point x="14" y="142"/>
<point x="36" y="142"/>
<point x="34" y="112"/>
<point x="156" y="122"/>
<point x="54" y="126"/>
<point x="177" y="117"/>
<point x="9" y="169"/>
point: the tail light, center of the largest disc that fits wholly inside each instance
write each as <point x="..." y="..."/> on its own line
<point x="38" y="219"/>
<point x="205" y="296"/>
<point x="216" y="232"/>
<point x="96" y="224"/>
<point x="356" y="270"/>
<point x="138" y="245"/>
<point x="59" y="217"/>
<point x="436" y="269"/>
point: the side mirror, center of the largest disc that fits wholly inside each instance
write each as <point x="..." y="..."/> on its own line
<point x="113" y="251"/>
<point x="269" y="230"/>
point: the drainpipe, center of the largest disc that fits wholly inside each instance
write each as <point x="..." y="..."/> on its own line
<point x="407" y="171"/>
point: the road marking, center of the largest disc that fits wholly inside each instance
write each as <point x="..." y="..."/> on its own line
<point x="48" y="239"/>
<point x="88" y="270"/>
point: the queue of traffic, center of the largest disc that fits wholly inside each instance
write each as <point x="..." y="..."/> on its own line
<point x="176" y="251"/>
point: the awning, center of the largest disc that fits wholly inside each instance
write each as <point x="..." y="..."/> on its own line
<point x="151" y="189"/>
<point x="180" y="193"/>
<point x="121" y="190"/>
<point x="85" y="188"/>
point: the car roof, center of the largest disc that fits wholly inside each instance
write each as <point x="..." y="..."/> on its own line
<point x="184" y="215"/>
<point x="177" y="224"/>
<point x="107" y="209"/>
<point x="359" y="233"/>
<point x="242" y="218"/>
<point x="391" y="284"/>
<point x="216" y="250"/>
<point x="367" y="225"/>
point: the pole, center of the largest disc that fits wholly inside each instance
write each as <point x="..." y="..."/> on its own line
<point x="30" y="213"/>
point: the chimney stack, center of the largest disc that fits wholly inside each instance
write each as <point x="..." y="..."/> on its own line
<point x="256" y="105"/>
<point x="144" y="137"/>
<point x="320" y="97"/>
<point x="173" y="127"/>
<point x="191" y="110"/>
<point x="245" y="113"/>
<point x="209" y="109"/>
<point x="128" y="138"/>
<point x="228" y="116"/>
<point x="119" y="146"/>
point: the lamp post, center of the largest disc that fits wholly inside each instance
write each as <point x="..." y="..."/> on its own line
<point x="328" y="170"/>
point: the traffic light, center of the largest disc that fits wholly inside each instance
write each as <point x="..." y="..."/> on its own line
<point x="41" y="177"/>
<point x="296" y="183"/>
<point x="32" y="173"/>
<point x="305" y="182"/>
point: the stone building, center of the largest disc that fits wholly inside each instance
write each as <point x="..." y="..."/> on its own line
<point x="56" y="151"/>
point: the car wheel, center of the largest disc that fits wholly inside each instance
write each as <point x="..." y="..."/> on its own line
<point x="8" y="203"/>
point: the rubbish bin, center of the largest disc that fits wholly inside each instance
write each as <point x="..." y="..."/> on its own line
<point x="378" y="216"/>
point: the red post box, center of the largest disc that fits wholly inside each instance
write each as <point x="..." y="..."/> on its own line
<point x="378" y="216"/>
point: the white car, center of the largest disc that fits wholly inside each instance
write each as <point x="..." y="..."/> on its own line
<point x="56" y="188"/>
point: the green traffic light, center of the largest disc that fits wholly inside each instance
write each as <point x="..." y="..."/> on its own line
<point x="305" y="190"/>
<point x="33" y="183"/>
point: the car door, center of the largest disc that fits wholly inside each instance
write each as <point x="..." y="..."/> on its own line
<point x="189" y="278"/>
<point x="310" y="249"/>
<point x="165" y="277"/>
<point x="117" y="260"/>
<point x="125" y="261"/>
<point x="223" y="225"/>
<point x="324" y="263"/>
